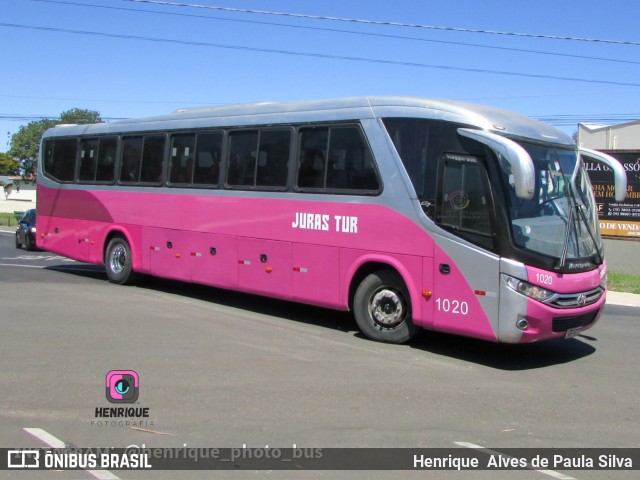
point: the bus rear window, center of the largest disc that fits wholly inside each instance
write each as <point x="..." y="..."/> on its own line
<point x="60" y="159"/>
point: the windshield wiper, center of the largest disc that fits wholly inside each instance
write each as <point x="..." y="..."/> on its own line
<point x="569" y="189"/>
<point x="567" y="233"/>
<point x="591" y="235"/>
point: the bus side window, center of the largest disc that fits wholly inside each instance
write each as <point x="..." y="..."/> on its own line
<point x="182" y="151"/>
<point x="419" y="143"/>
<point x="313" y="157"/>
<point x="336" y="158"/>
<point x="208" y="155"/>
<point x="152" y="159"/>
<point x="273" y="158"/>
<point x="131" y="156"/>
<point x="60" y="159"/>
<point x="88" y="160"/>
<point x="350" y="161"/>
<point x="242" y="158"/>
<point x="106" y="159"/>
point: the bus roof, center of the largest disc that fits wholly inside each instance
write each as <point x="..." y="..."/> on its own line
<point x="342" y="109"/>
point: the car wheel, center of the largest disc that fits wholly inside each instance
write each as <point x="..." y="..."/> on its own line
<point x="118" y="262"/>
<point x="18" y="244"/>
<point x="28" y="243"/>
<point x="382" y="308"/>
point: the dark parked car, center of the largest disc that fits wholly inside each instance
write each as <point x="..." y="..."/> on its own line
<point x="26" y="232"/>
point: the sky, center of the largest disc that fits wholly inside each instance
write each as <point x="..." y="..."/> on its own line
<point x="571" y="61"/>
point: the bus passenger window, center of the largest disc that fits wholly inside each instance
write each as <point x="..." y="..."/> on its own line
<point x="88" y="160"/>
<point x="131" y="155"/>
<point x="335" y="158"/>
<point x="242" y="158"/>
<point x="106" y="159"/>
<point x="273" y="158"/>
<point x="313" y="157"/>
<point x="152" y="159"/>
<point x="350" y="161"/>
<point x="208" y="155"/>
<point x="182" y="151"/>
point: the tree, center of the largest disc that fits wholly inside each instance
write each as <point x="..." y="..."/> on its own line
<point x="80" y="116"/>
<point x="8" y="165"/>
<point x="25" y="144"/>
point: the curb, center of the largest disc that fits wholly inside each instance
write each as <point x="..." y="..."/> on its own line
<point x="623" y="299"/>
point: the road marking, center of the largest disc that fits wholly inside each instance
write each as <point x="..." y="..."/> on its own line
<point x="20" y="265"/>
<point x="48" y="258"/>
<point x="488" y="451"/>
<point x="54" y="442"/>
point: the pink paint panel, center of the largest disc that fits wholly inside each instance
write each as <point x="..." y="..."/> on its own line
<point x="567" y="282"/>
<point x="265" y="267"/>
<point x="347" y="225"/>
<point x="427" y="318"/>
<point x="456" y="306"/>
<point x="214" y="260"/>
<point x="168" y="252"/>
<point x="540" y="318"/>
<point x="316" y="274"/>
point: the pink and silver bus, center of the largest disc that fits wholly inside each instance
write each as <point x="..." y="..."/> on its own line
<point x="411" y="213"/>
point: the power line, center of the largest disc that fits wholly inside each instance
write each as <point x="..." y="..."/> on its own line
<point x="384" y="23"/>
<point x="349" y="32"/>
<point x="603" y="118"/>
<point x="24" y="117"/>
<point x="320" y="55"/>
<point x="103" y="100"/>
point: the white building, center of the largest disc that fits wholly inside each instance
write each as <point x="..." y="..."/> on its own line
<point x="17" y="194"/>
<point x="625" y="136"/>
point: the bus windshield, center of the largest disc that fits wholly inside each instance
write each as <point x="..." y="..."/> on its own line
<point x="561" y="219"/>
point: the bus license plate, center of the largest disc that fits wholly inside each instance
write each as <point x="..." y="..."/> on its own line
<point x="573" y="332"/>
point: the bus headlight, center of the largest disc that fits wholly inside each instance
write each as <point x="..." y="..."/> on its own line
<point x="527" y="289"/>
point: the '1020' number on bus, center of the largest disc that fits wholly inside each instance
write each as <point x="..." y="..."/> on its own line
<point x="452" y="306"/>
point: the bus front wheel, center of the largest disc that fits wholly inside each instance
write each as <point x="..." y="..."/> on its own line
<point x="382" y="308"/>
<point x="118" y="262"/>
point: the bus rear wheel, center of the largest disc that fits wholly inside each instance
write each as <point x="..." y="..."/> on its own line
<point x="382" y="308"/>
<point x="119" y="263"/>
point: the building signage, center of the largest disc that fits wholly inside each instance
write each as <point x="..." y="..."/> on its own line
<point x="620" y="219"/>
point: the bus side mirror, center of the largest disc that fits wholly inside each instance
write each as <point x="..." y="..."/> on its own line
<point x="619" y="175"/>
<point x="517" y="157"/>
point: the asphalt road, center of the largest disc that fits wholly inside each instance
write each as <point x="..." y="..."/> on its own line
<point x="223" y="369"/>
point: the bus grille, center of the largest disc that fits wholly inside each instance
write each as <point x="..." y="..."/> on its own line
<point x="562" y="324"/>
<point x="575" y="300"/>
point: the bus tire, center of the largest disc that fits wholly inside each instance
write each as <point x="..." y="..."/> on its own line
<point x="119" y="263"/>
<point x="382" y="308"/>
